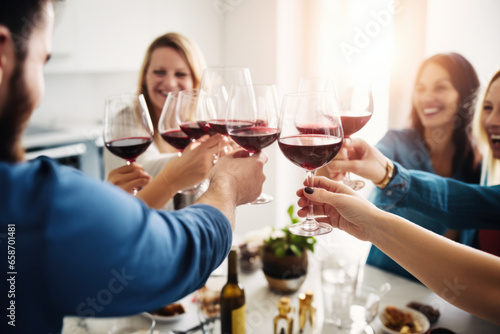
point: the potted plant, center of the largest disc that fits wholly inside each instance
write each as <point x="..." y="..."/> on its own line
<point x="284" y="257"/>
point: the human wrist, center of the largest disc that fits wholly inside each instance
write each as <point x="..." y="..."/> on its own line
<point x="389" y="174"/>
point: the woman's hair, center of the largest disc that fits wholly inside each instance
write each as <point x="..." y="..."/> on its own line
<point x="187" y="48"/>
<point x="490" y="173"/>
<point x="466" y="82"/>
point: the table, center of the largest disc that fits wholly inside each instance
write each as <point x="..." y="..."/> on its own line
<point x="262" y="303"/>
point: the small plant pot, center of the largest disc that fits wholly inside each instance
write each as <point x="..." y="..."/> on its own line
<point x="285" y="274"/>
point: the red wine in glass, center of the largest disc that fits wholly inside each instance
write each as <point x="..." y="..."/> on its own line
<point x="207" y="128"/>
<point x="310" y="137"/>
<point x="129" y="148"/>
<point x="193" y="130"/>
<point x="127" y="130"/>
<point x="310" y="151"/>
<point x="168" y="126"/>
<point x="252" y="120"/>
<point x="355" y="101"/>
<point x="352" y="122"/>
<point x="254" y="139"/>
<point x="220" y="126"/>
<point x="176" y="138"/>
<point x="316" y="129"/>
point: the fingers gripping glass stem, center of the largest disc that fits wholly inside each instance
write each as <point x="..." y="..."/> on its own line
<point x="310" y="227"/>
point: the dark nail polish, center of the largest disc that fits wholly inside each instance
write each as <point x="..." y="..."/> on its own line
<point x="309" y="190"/>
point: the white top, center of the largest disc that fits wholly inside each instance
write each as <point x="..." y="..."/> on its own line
<point x="152" y="160"/>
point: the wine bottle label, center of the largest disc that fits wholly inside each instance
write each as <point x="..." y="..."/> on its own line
<point x="239" y="320"/>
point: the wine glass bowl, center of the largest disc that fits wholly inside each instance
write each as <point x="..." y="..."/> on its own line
<point x="215" y="85"/>
<point x="355" y="100"/>
<point x="168" y="126"/>
<point x="128" y="130"/>
<point x="310" y="136"/>
<point x="252" y="119"/>
<point x="187" y="105"/>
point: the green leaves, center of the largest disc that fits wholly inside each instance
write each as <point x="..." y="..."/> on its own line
<point x="290" y="243"/>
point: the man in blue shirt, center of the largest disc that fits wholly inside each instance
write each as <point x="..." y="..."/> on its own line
<point x="76" y="246"/>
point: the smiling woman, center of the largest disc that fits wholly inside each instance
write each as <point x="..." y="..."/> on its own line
<point x="172" y="63"/>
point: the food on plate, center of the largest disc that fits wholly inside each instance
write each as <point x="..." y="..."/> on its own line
<point x="430" y="312"/>
<point x="209" y="301"/>
<point x="401" y="321"/>
<point x="170" y="310"/>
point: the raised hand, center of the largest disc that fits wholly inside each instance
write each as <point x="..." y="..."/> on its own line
<point x="343" y="207"/>
<point x="129" y="177"/>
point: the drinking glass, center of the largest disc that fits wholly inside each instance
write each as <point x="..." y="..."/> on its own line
<point x="355" y="102"/>
<point x="252" y="120"/>
<point x="185" y="113"/>
<point x="168" y="127"/>
<point x="216" y="83"/>
<point x="310" y="136"/>
<point x="128" y="130"/>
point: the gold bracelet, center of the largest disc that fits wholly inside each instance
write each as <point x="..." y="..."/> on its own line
<point x="389" y="173"/>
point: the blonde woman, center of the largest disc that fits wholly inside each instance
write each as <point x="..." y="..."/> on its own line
<point x="172" y="63"/>
<point x="487" y="131"/>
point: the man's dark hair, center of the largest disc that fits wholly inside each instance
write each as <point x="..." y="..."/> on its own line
<point x="21" y="17"/>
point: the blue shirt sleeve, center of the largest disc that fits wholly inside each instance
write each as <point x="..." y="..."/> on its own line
<point x="123" y="256"/>
<point x="455" y="204"/>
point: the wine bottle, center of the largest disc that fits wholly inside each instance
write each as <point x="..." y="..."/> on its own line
<point x="232" y="300"/>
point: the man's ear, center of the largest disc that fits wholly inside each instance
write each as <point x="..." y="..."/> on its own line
<point x="5" y="50"/>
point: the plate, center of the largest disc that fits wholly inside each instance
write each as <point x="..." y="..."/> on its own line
<point x="417" y="316"/>
<point x="169" y="318"/>
<point x="137" y="324"/>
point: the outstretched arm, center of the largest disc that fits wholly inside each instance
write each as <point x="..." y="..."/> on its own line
<point x="465" y="277"/>
<point x="455" y="204"/>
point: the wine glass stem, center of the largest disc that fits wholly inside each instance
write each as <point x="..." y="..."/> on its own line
<point x="129" y="162"/>
<point x="347" y="177"/>
<point x="310" y="212"/>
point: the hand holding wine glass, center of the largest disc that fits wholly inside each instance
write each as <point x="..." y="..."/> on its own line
<point x="128" y="130"/>
<point x="252" y="120"/>
<point x="310" y="137"/>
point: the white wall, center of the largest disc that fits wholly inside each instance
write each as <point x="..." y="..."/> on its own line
<point x="471" y="28"/>
<point x="99" y="47"/>
<point x="427" y="27"/>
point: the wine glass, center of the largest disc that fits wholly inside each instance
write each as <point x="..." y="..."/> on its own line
<point x="186" y="115"/>
<point x="168" y="127"/>
<point x="215" y="85"/>
<point x="128" y="130"/>
<point x="310" y="136"/>
<point x="252" y="120"/>
<point x="355" y="100"/>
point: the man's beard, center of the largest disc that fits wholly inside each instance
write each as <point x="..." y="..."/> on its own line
<point x="14" y="116"/>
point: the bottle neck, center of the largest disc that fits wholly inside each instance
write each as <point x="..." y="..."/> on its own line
<point x="232" y="274"/>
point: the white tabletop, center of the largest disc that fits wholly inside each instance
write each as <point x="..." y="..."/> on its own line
<point x="262" y="304"/>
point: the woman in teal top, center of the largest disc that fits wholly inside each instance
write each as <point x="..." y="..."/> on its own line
<point x="439" y="141"/>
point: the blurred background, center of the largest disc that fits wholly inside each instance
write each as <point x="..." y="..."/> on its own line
<point x="98" y="48"/>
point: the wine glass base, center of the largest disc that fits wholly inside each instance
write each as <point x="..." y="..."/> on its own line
<point x="355" y="184"/>
<point x="305" y="231"/>
<point x="263" y="199"/>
